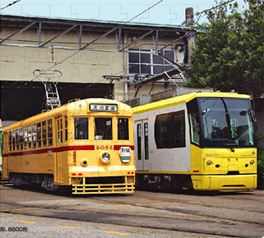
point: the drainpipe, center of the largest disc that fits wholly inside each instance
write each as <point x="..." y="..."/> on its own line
<point x="126" y="69"/>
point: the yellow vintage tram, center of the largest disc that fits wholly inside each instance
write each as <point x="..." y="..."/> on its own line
<point x="86" y="146"/>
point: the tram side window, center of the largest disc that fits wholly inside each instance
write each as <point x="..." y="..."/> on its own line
<point x="50" y="132"/>
<point x="139" y="141"/>
<point x="34" y="137"/>
<point x="17" y="139"/>
<point x="170" y="130"/>
<point x="14" y="140"/>
<point x="21" y="138"/>
<point x="25" y="138"/>
<point x="103" y="129"/>
<point x="81" y="128"/>
<point x="10" y="141"/>
<point x="66" y="128"/>
<point x="123" y="129"/>
<point x="29" y="137"/>
<point x="194" y="128"/>
<point x="44" y="134"/>
<point x="39" y="134"/>
<point x="162" y="131"/>
<point x="146" y="141"/>
<point x="179" y="130"/>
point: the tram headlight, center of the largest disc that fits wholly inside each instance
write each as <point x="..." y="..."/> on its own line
<point x="105" y="157"/>
<point x="252" y="162"/>
<point x="209" y="162"/>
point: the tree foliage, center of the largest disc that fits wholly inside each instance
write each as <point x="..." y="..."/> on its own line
<point x="229" y="52"/>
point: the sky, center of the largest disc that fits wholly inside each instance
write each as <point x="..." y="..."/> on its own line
<point x="170" y="12"/>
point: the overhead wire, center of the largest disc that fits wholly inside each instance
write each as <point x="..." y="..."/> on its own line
<point x="75" y="53"/>
<point x="79" y="50"/>
<point x="10" y="4"/>
<point x="199" y="14"/>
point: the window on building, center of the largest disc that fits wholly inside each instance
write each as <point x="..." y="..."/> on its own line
<point x="145" y="61"/>
<point x="160" y="65"/>
<point x="170" y="130"/>
<point x="139" y="61"/>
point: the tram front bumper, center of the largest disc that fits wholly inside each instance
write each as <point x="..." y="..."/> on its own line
<point x="224" y="182"/>
<point x="127" y="186"/>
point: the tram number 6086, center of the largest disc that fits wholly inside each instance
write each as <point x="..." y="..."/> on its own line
<point x="104" y="147"/>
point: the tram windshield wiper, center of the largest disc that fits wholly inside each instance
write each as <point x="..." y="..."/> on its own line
<point x="230" y="145"/>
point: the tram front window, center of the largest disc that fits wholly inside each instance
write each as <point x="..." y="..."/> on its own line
<point x="222" y="122"/>
<point x="103" y="129"/>
<point x="123" y="129"/>
<point x="81" y="128"/>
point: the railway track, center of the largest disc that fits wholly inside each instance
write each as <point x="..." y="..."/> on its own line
<point x="224" y="214"/>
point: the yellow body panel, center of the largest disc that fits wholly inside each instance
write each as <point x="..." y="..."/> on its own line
<point x="227" y="182"/>
<point x="227" y="169"/>
<point x="223" y="160"/>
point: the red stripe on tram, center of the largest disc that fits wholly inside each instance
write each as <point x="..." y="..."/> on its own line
<point x="117" y="147"/>
<point x="42" y="151"/>
<point x="61" y="149"/>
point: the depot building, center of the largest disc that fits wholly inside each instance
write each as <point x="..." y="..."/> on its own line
<point x="86" y="59"/>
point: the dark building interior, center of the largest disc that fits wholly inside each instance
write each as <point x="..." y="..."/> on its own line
<point x="20" y="100"/>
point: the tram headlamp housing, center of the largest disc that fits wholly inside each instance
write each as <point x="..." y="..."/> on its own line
<point x="105" y="157"/>
<point x="209" y="162"/>
<point x="252" y="162"/>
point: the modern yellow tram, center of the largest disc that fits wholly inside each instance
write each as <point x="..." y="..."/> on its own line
<point x="86" y="146"/>
<point x="200" y="141"/>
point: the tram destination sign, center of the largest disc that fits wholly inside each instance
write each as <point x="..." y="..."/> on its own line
<point x="103" y="107"/>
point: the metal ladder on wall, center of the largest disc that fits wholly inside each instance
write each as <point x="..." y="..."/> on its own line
<point x="50" y="79"/>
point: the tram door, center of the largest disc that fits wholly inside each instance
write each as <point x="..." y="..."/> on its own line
<point x="59" y="144"/>
<point x="142" y="145"/>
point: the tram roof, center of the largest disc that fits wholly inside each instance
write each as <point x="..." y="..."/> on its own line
<point x="77" y="106"/>
<point x="184" y="99"/>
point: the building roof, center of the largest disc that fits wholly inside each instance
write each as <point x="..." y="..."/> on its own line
<point x="60" y="27"/>
<point x="91" y="22"/>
